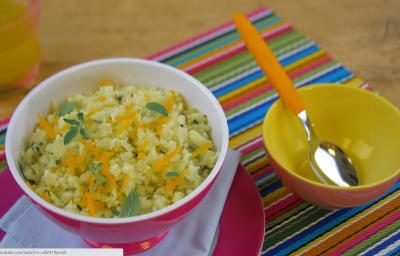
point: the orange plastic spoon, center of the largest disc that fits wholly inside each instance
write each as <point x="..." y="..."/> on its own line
<point x="329" y="162"/>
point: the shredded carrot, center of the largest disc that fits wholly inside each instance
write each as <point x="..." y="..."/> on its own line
<point x="161" y="121"/>
<point x="138" y="124"/>
<point x="141" y="125"/>
<point x="98" y="205"/>
<point x="89" y="122"/>
<point x="63" y="129"/>
<point x="173" y="183"/>
<point x="105" y="82"/>
<point x="133" y="133"/>
<point x="91" y="112"/>
<point x="129" y="114"/>
<point x="29" y="185"/>
<point x="123" y="126"/>
<point x="163" y="163"/>
<point x="169" y="103"/>
<point x="46" y="126"/>
<point x="142" y="149"/>
<point x="104" y="159"/>
<point x="183" y="173"/>
<point x="55" y="122"/>
<point x="46" y="196"/>
<point x="120" y="118"/>
<point x="101" y="98"/>
<point x="125" y="121"/>
<point x="125" y="181"/>
<point x="202" y="149"/>
<point x="72" y="161"/>
<point x="89" y="203"/>
<point x="141" y="155"/>
<point x="121" y="197"/>
<point x="129" y="109"/>
<point x="90" y="147"/>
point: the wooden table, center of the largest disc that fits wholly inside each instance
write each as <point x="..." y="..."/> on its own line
<point x="363" y="35"/>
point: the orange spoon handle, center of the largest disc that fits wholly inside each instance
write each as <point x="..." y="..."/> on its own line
<point x="269" y="64"/>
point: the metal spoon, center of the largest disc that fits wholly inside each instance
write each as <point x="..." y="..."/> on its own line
<point x="328" y="161"/>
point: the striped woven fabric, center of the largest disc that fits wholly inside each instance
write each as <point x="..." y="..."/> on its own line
<point x="221" y="62"/>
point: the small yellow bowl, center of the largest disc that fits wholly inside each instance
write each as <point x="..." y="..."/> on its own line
<point x="362" y="123"/>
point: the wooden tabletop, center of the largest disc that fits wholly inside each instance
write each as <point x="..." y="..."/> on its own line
<point x="363" y="35"/>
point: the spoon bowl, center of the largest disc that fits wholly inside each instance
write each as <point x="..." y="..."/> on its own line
<point x="327" y="158"/>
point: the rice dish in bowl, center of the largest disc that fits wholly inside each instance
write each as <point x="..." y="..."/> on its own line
<point x="118" y="152"/>
<point x="107" y="225"/>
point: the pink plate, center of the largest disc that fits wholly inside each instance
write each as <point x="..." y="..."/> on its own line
<point x="241" y="228"/>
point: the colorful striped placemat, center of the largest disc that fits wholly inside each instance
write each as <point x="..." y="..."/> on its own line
<point x="221" y="62"/>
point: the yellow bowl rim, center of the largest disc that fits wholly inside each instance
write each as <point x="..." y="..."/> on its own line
<point x="323" y="185"/>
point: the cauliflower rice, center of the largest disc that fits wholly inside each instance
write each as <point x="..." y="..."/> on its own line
<point x="118" y="152"/>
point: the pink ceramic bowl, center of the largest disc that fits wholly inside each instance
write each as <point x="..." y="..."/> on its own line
<point x="136" y="233"/>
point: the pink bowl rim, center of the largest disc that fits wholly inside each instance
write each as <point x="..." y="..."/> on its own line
<point x="96" y="220"/>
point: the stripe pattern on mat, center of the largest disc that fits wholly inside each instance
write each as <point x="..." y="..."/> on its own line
<point x="221" y="62"/>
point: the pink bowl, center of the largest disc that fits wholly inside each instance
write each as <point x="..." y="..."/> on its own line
<point x="137" y="233"/>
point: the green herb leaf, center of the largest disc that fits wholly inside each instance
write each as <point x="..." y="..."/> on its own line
<point x="21" y="168"/>
<point x="157" y="107"/>
<point x="58" y="161"/>
<point x="66" y="108"/>
<point x="195" y="121"/>
<point x="79" y="207"/>
<point x="68" y="137"/>
<point x="80" y="116"/>
<point x="84" y="133"/>
<point x="100" y="179"/>
<point x="172" y="174"/>
<point x="115" y="212"/>
<point x="118" y="98"/>
<point x="94" y="167"/>
<point x="131" y="205"/>
<point x="71" y="121"/>
<point x="35" y="147"/>
<point x="32" y="182"/>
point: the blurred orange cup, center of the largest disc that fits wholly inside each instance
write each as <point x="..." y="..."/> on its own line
<point x="19" y="44"/>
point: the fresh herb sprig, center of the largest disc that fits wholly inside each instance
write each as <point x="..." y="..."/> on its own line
<point x="66" y="108"/>
<point x="22" y="170"/>
<point x="131" y="205"/>
<point x="157" y="107"/>
<point x="118" y="98"/>
<point x="35" y="147"/>
<point x="99" y="178"/>
<point x="115" y="212"/>
<point x="76" y="126"/>
<point x="172" y="174"/>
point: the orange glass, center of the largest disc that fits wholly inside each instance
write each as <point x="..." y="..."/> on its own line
<point x="19" y="44"/>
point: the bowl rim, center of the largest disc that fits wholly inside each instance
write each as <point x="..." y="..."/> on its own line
<point x="98" y="220"/>
<point x="370" y="94"/>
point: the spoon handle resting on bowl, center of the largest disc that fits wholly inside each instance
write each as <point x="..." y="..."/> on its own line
<point x="269" y="64"/>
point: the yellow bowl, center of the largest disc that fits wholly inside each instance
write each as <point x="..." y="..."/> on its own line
<point x="364" y="124"/>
